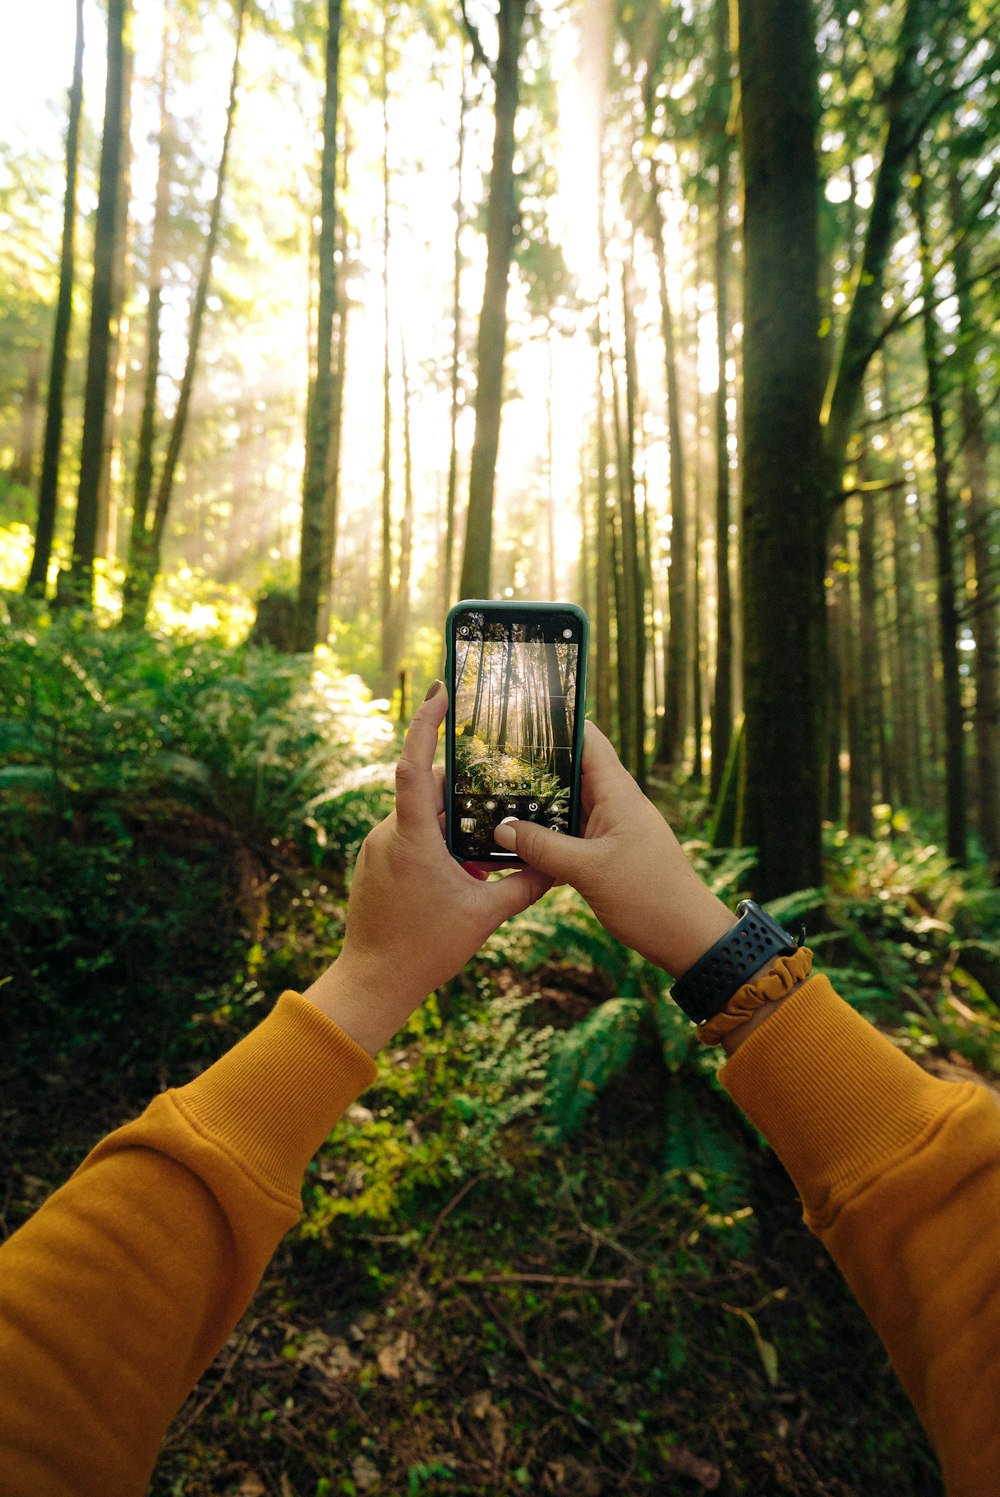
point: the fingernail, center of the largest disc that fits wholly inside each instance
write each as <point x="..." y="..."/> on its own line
<point x="433" y="689"/>
<point x="506" y="835"/>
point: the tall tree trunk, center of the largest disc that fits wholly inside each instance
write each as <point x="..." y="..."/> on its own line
<point x="550" y="464"/>
<point x="48" y="486"/>
<point x="634" y="592"/>
<point x="677" y="663"/>
<point x="448" y="565"/>
<point x="401" y="603"/>
<point x="387" y="660"/>
<point x="837" y="604"/>
<point x="783" y="534"/>
<point x="141" y="586"/>
<point x="948" y="622"/>
<point x="602" y="581"/>
<point x="23" y="470"/>
<point x="78" y="583"/>
<point x="108" y="488"/>
<point x="137" y="563"/>
<point x="722" y="693"/>
<point x="981" y="513"/>
<point x="319" y="415"/>
<point x="331" y="506"/>
<point x="906" y="109"/>
<point x="859" y="744"/>
<point x="492" y="339"/>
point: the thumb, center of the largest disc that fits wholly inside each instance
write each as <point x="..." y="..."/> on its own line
<point x="554" y="853"/>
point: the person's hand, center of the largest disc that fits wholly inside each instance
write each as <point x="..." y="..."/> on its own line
<point x="415" y="916"/>
<point x="627" y="864"/>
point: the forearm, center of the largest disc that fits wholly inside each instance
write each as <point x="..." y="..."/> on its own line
<point x="899" y="1175"/>
<point x="120" y="1290"/>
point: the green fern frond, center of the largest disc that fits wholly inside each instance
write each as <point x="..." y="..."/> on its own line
<point x="589" y="1057"/>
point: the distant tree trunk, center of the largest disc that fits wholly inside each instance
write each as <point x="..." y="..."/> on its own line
<point x="140" y="586"/>
<point x="48" y="486"/>
<point x="697" y="704"/>
<point x="550" y="463"/>
<point x="448" y="565"/>
<point x="505" y="696"/>
<point x="562" y="754"/>
<point x="137" y="562"/>
<point x="677" y="662"/>
<point x="107" y="493"/>
<point x="906" y="110"/>
<point x="837" y="604"/>
<point x="401" y="606"/>
<point x="632" y="644"/>
<point x="722" y="695"/>
<point x="78" y="583"/>
<point x="929" y="658"/>
<point x="602" y="582"/>
<point x="873" y="709"/>
<point x="491" y="342"/>
<point x="388" y="662"/>
<point x="948" y="622"/>
<point x="331" y="509"/>
<point x="907" y="704"/>
<point x="784" y="515"/>
<point x="981" y="511"/>
<point x="320" y="413"/>
<point x="856" y="667"/>
<point x="23" y="470"/>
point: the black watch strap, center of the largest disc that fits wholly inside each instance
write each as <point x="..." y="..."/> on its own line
<point x="707" y="987"/>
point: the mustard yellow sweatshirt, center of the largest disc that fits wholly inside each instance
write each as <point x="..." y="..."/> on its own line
<point x="117" y="1294"/>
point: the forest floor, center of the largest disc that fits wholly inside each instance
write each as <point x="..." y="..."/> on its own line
<point x="559" y="1320"/>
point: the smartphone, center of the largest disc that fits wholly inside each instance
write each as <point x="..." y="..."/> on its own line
<point x="515" y="674"/>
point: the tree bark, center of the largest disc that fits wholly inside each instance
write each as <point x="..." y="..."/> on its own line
<point x="602" y="580"/>
<point x="78" y="583"/>
<point x="143" y="486"/>
<point x="387" y="660"/>
<point x="673" y="724"/>
<point x="722" y="694"/>
<point x="981" y="513"/>
<point x="48" y="485"/>
<point x="23" y="470"/>
<point x="108" y="488"/>
<point x="319" y="411"/>
<point x="948" y="622"/>
<point x="905" y="107"/>
<point x="633" y="589"/>
<point x="491" y="342"/>
<point x="448" y="565"/>
<point x="140" y="586"/>
<point x="783" y="534"/>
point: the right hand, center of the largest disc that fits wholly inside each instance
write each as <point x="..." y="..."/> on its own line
<point x="627" y="864"/>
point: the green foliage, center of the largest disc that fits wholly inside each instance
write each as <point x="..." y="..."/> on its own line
<point x="436" y="1116"/>
<point x="146" y="784"/>
<point x="588" y="1057"/>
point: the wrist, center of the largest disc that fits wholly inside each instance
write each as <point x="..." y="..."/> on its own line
<point x="367" y="1015"/>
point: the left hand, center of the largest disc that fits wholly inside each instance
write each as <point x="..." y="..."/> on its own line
<point x="415" y="916"/>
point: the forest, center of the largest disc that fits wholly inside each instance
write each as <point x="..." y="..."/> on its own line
<point x="317" y="316"/>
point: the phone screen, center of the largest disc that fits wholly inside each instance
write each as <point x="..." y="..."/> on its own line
<point x="515" y="702"/>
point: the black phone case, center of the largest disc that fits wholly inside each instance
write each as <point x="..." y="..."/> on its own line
<point x="501" y="610"/>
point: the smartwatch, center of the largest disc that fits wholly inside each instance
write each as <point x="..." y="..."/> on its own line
<point x="707" y="987"/>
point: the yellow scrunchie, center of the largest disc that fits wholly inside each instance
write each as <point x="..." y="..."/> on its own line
<point x="783" y="976"/>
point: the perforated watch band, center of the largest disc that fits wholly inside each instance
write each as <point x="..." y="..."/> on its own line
<point x="707" y="987"/>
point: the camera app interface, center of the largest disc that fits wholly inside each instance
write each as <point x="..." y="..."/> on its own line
<point x="515" y="704"/>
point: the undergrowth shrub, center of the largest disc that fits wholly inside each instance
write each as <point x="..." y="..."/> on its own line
<point x="146" y="787"/>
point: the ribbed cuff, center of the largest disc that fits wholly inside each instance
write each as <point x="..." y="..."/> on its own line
<point x="837" y="1102"/>
<point x="273" y="1098"/>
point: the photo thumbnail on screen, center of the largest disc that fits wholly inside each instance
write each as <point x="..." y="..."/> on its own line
<point x="515" y="705"/>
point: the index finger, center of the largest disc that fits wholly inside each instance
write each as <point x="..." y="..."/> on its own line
<point x="603" y="772"/>
<point x="417" y="795"/>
